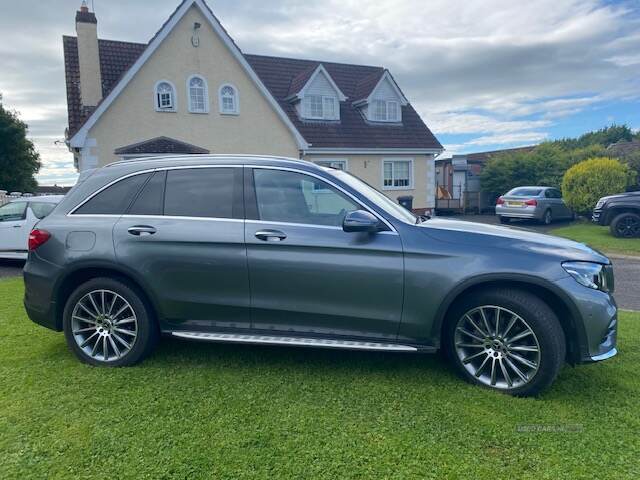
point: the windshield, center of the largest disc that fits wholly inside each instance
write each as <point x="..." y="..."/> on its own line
<point x="524" y="192"/>
<point x="392" y="208"/>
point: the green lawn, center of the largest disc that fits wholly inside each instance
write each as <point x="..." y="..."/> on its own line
<point x="216" y="411"/>
<point x="599" y="238"/>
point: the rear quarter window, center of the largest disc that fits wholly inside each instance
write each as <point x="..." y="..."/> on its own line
<point x="41" y="210"/>
<point x="115" y="199"/>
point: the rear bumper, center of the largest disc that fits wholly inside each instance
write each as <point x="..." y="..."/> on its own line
<point x="39" y="298"/>
<point x="518" y="212"/>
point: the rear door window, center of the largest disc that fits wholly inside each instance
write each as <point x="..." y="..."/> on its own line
<point x="13" y="211"/>
<point x="114" y="200"/>
<point x="204" y="192"/>
<point x="151" y="198"/>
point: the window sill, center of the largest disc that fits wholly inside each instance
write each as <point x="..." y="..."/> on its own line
<point x="166" y="110"/>
<point x="409" y="187"/>
<point x="232" y="114"/>
<point x="199" y="113"/>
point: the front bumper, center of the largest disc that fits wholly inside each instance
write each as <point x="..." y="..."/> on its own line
<point x="596" y="321"/>
<point x="597" y="217"/>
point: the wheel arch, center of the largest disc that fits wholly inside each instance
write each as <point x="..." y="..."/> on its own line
<point x="559" y="302"/>
<point x="82" y="273"/>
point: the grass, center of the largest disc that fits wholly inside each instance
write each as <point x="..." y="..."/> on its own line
<point x="216" y="411"/>
<point x="599" y="238"/>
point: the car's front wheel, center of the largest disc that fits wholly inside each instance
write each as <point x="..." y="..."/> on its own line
<point x="505" y="339"/>
<point x="626" y="225"/>
<point x="107" y="323"/>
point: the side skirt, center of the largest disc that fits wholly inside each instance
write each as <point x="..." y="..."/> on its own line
<point x="301" y="342"/>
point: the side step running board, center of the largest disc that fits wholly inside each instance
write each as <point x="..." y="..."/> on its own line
<point x="294" y="341"/>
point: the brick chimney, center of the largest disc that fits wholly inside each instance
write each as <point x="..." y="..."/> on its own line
<point x="88" y="56"/>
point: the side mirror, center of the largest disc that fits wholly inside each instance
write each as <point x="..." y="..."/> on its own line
<point x="360" y="221"/>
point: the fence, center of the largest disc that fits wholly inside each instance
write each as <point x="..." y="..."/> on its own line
<point x="6" y="197"/>
<point x="462" y="200"/>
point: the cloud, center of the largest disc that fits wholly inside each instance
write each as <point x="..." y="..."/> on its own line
<point x="491" y="70"/>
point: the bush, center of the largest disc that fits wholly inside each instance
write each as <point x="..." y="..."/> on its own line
<point x="586" y="182"/>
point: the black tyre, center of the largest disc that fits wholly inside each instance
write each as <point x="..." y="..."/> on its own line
<point x="626" y="225"/>
<point x="505" y="220"/>
<point x="505" y="339"/>
<point x="107" y="323"/>
<point x="547" y="218"/>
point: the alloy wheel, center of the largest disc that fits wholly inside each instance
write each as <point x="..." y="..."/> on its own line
<point x="104" y="325"/>
<point x="548" y="218"/>
<point x="628" y="227"/>
<point x="497" y="347"/>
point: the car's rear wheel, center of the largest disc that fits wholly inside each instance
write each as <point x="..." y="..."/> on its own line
<point x="547" y="218"/>
<point x="505" y="220"/>
<point x="505" y="339"/>
<point x="626" y="225"/>
<point x="107" y="323"/>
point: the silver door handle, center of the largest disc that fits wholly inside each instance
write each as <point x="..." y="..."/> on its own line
<point x="270" y="235"/>
<point x="141" y="230"/>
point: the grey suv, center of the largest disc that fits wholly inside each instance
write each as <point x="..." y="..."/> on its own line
<point x="284" y="252"/>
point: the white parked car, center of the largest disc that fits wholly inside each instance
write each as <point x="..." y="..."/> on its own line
<point x="17" y="219"/>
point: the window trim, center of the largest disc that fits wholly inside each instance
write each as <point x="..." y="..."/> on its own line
<point x="174" y="97"/>
<point x="237" y="100"/>
<point x="391" y="160"/>
<point x="247" y="172"/>
<point x="206" y="94"/>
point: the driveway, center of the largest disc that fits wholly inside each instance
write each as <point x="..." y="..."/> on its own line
<point x="11" y="268"/>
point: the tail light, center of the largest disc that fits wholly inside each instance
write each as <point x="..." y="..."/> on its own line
<point x="531" y="203"/>
<point x="37" y="238"/>
<point x="500" y="201"/>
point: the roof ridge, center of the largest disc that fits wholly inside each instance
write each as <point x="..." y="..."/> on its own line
<point x="310" y="60"/>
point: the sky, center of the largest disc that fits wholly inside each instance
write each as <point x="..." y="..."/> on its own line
<point x="483" y="74"/>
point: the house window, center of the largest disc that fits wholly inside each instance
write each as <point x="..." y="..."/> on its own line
<point x="337" y="164"/>
<point x="397" y="174"/>
<point x="323" y="107"/>
<point x="228" y="100"/>
<point x="386" y="111"/>
<point x="198" y="97"/>
<point x="165" y="97"/>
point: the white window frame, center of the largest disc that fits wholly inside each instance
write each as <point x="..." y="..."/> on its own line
<point x="386" y="118"/>
<point x="307" y="112"/>
<point x="205" y="94"/>
<point x="411" y="185"/>
<point x="174" y="97"/>
<point x="331" y="162"/>
<point x="221" y="109"/>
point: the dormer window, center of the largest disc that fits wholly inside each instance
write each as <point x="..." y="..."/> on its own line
<point x="321" y="107"/>
<point x="386" y="111"/>
<point x="316" y="95"/>
<point x="165" y="97"/>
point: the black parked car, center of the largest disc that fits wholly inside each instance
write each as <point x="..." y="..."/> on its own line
<point x="621" y="213"/>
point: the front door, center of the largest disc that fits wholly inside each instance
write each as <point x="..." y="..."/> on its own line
<point x="187" y="242"/>
<point x="13" y="230"/>
<point x="307" y="275"/>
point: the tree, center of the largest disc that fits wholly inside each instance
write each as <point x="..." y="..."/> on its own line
<point x="586" y="182"/>
<point x="19" y="160"/>
<point x="605" y="137"/>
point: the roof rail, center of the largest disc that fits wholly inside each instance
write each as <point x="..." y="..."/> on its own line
<point x="186" y="157"/>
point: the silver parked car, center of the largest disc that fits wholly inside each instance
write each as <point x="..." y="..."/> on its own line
<point x="544" y="204"/>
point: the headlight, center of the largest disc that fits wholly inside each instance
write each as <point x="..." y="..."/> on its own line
<point x="592" y="275"/>
<point x="599" y="204"/>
